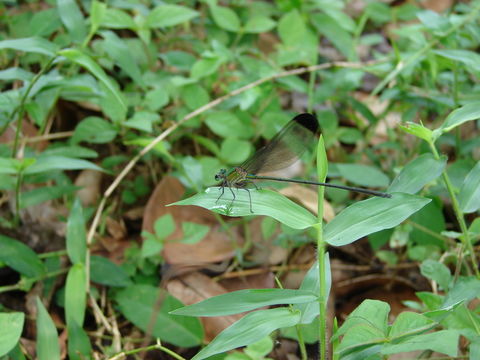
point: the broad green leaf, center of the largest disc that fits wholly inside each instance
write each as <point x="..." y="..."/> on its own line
<point x="117" y="19"/>
<point x="169" y="15"/>
<point x="371" y="215"/>
<point x="194" y="96"/>
<point x="48" y="347"/>
<point x="373" y="313"/>
<point x="227" y="124"/>
<point x="225" y="18"/>
<point x="119" y="52"/>
<point x="245" y="300"/>
<point x="42" y="194"/>
<point x="143" y="120"/>
<point x="461" y="115"/>
<point x="465" y="289"/>
<point x="469" y="197"/>
<point x="97" y="11"/>
<point x="92" y="66"/>
<point x="258" y="24"/>
<point x="50" y="163"/>
<point x="334" y="32"/>
<point x="249" y="329"/>
<point x="15" y="73"/>
<point x="10" y="166"/>
<point x="193" y="232"/>
<point x="430" y="217"/>
<point x="137" y="304"/>
<point x="33" y="44"/>
<point x="205" y="67"/>
<point x="79" y="347"/>
<point x="20" y="257"/>
<point x="164" y="226"/>
<point x="105" y="272"/>
<point x="469" y="58"/>
<point x="76" y="295"/>
<point x="418" y="130"/>
<point x="264" y="202"/>
<point x="417" y="174"/>
<point x="76" y="234"/>
<point x="292" y="28"/>
<point x="436" y="271"/>
<point x="443" y="341"/>
<point x="364" y="175"/>
<point x="72" y="18"/>
<point x="235" y="151"/>
<point x="94" y="129"/>
<point x="11" y="326"/>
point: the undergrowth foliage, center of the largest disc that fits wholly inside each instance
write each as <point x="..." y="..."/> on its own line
<point x="131" y="93"/>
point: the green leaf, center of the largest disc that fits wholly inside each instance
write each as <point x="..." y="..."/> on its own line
<point x="194" y="96"/>
<point x="418" y="130"/>
<point x="72" y="18"/>
<point x="92" y="66"/>
<point x="15" y="73"/>
<point x="249" y="329"/>
<point x="443" y="341"/>
<point x="235" y="151"/>
<point x="11" y="326"/>
<point x="436" y="271"/>
<point x="42" y="194"/>
<point x="205" y="67"/>
<point x="117" y="19"/>
<point x="137" y="304"/>
<point x="467" y="57"/>
<point x="79" y="347"/>
<point x="417" y="173"/>
<point x="164" y="226"/>
<point x="292" y="28"/>
<point x="33" y="44"/>
<point x="20" y="257"/>
<point x="371" y="215"/>
<point x="409" y="323"/>
<point x="226" y="124"/>
<point x="364" y="175"/>
<point x="461" y="115"/>
<point x="193" y="232"/>
<point x="95" y="130"/>
<point x="48" y="347"/>
<point x="264" y="202"/>
<point x="50" y="163"/>
<point x="225" y="18"/>
<point x="76" y="234"/>
<point x="76" y="295"/>
<point x="105" y="272"/>
<point x="465" y="289"/>
<point x="469" y="197"/>
<point x="169" y="15"/>
<point x="258" y="24"/>
<point x="121" y="54"/>
<point x="97" y="11"/>
<point x="338" y="36"/>
<point x="245" y="300"/>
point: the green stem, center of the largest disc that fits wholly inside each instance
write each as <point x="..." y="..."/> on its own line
<point x="21" y="107"/>
<point x="466" y="242"/>
<point x="322" y="296"/>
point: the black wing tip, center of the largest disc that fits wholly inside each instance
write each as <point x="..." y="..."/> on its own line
<point x="308" y="121"/>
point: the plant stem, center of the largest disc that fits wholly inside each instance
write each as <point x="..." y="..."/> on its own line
<point x="322" y="296"/>
<point x="466" y="242"/>
<point x="21" y="107"/>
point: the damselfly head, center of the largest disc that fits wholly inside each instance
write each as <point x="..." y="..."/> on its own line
<point x="221" y="175"/>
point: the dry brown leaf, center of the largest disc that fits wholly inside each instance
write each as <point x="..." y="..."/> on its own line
<point x="437" y="5"/>
<point x="216" y="246"/>
<point x="89" y="181"/>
